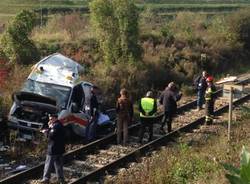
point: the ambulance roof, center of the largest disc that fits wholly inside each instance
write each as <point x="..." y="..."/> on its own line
<point x="56" y="69"/>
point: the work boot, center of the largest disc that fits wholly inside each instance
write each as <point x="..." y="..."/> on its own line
<point x="61" y="181"/>
<point x="44" y="181"/>
<point x="198" y="109"/>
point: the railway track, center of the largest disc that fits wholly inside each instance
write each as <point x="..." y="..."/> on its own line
<point x="91" y="161"/>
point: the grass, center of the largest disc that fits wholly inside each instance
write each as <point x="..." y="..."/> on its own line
<point x="8" y="8"/>
<point x="195" y="159"/>
<point x="194" y="1"/>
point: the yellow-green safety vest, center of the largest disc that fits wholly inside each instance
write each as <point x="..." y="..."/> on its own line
<point x="147" y="105"/>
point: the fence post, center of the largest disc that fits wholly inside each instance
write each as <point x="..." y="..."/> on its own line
<point x="230" y="113"/>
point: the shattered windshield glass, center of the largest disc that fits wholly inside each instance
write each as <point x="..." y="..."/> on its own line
<point x="63" y="62"/>
<point x="60" y="93"/>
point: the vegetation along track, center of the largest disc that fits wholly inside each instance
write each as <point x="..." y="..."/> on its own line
<point x="91" y="161"/>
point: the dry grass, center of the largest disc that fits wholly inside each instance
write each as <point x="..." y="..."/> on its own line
<point x="195" y="159"/>
<point x="63" y="29"/>
<point x="16" y="77"/>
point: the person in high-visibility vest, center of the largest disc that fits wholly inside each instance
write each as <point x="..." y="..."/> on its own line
<point x="210" y="99"/>
<point x="148" y="109"/>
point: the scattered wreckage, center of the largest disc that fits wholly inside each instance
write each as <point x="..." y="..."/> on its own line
<point x="54" y="86"/>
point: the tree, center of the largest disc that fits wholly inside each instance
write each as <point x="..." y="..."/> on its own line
<point x="15" y="41"/>
<point x="116" y="26"/>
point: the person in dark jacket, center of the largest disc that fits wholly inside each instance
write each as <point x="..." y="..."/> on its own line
<point x="201" y="86"/>
<point x="56" y="148"/>
<point x="94" y="113"/>
<point x="168" y="99"/>
<point x="125" y="112"/>
<point x="210" y="96"/>
<point x="148" y="109"/>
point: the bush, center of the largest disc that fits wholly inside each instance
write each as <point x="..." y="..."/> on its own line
<point x="167" y="33"/>
<point x="241" y="175"/>
<point x="186" y="26"/>
<point x="116" y="27"/>
<point x="239" y="23"/>
<point x="187" y="90"/>
<point x="111" y="78"/>
<point x="18" y="75"/>
<point x="15" y="41"/>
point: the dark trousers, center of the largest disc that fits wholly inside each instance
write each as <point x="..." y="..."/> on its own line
<point x="146" y="122"/>
<point x="122" y="129"/>
<point x="209" y="111"/>
<point x="91" y="129"/>
<point x="168" y="117"/>
<point x="200" y="98"/>
<point x="57" y="162"/>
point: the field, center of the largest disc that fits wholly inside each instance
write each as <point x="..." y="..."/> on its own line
<point x="8" y="8"/>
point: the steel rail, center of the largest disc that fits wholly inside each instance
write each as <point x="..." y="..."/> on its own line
<point x="133" y="156"/>
<point x="88" y="148"/>
<point x="36" y="171"/>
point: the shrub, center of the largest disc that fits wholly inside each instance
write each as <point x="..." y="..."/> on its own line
<point x="111" y="78"/>
<point x="187" y="90"/>
<point x="187" y="26"/>
<point x="241" y="175"/>
<point x="116" y="27"/>
<point x="18" y="75"/>
<point x="218" y="30"/>
<point x="15" y="41"/>
<point x="239" y="23"/>
<point x="167" y="33"/>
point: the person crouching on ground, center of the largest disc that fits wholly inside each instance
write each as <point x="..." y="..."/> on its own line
<point x="168" y="99"/>
<point x="148" y="108"/>
<point x="210" y="100"/>
<point x="124" y="109"/>
<point x="56" y="148"/>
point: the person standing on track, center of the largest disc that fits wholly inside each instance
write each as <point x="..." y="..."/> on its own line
<point x="148" y="108"/>
<point x="56" y="148"/>
<point x="210" y="100"/>
<point x="124" y="109"/>
<point x="94" y="113"/>
<point x="168" y="99"/>
<point x="201" y="86"/>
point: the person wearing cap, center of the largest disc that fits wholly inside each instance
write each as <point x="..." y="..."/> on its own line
<point x="148" y="109"/>
<point x="210" y="99"/>
<point x="94" y="113"/>
<point x="56" y="148"/>
<point x="168" y="99"/>
<point x="125" y="112"/>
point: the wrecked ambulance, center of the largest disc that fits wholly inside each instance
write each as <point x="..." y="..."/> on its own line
<point x="53" y="86"/>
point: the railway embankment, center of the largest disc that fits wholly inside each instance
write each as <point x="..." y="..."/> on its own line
<point x="194" y="157"/>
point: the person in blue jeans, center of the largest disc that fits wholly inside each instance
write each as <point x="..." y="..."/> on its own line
<point x="201" y="86"/>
